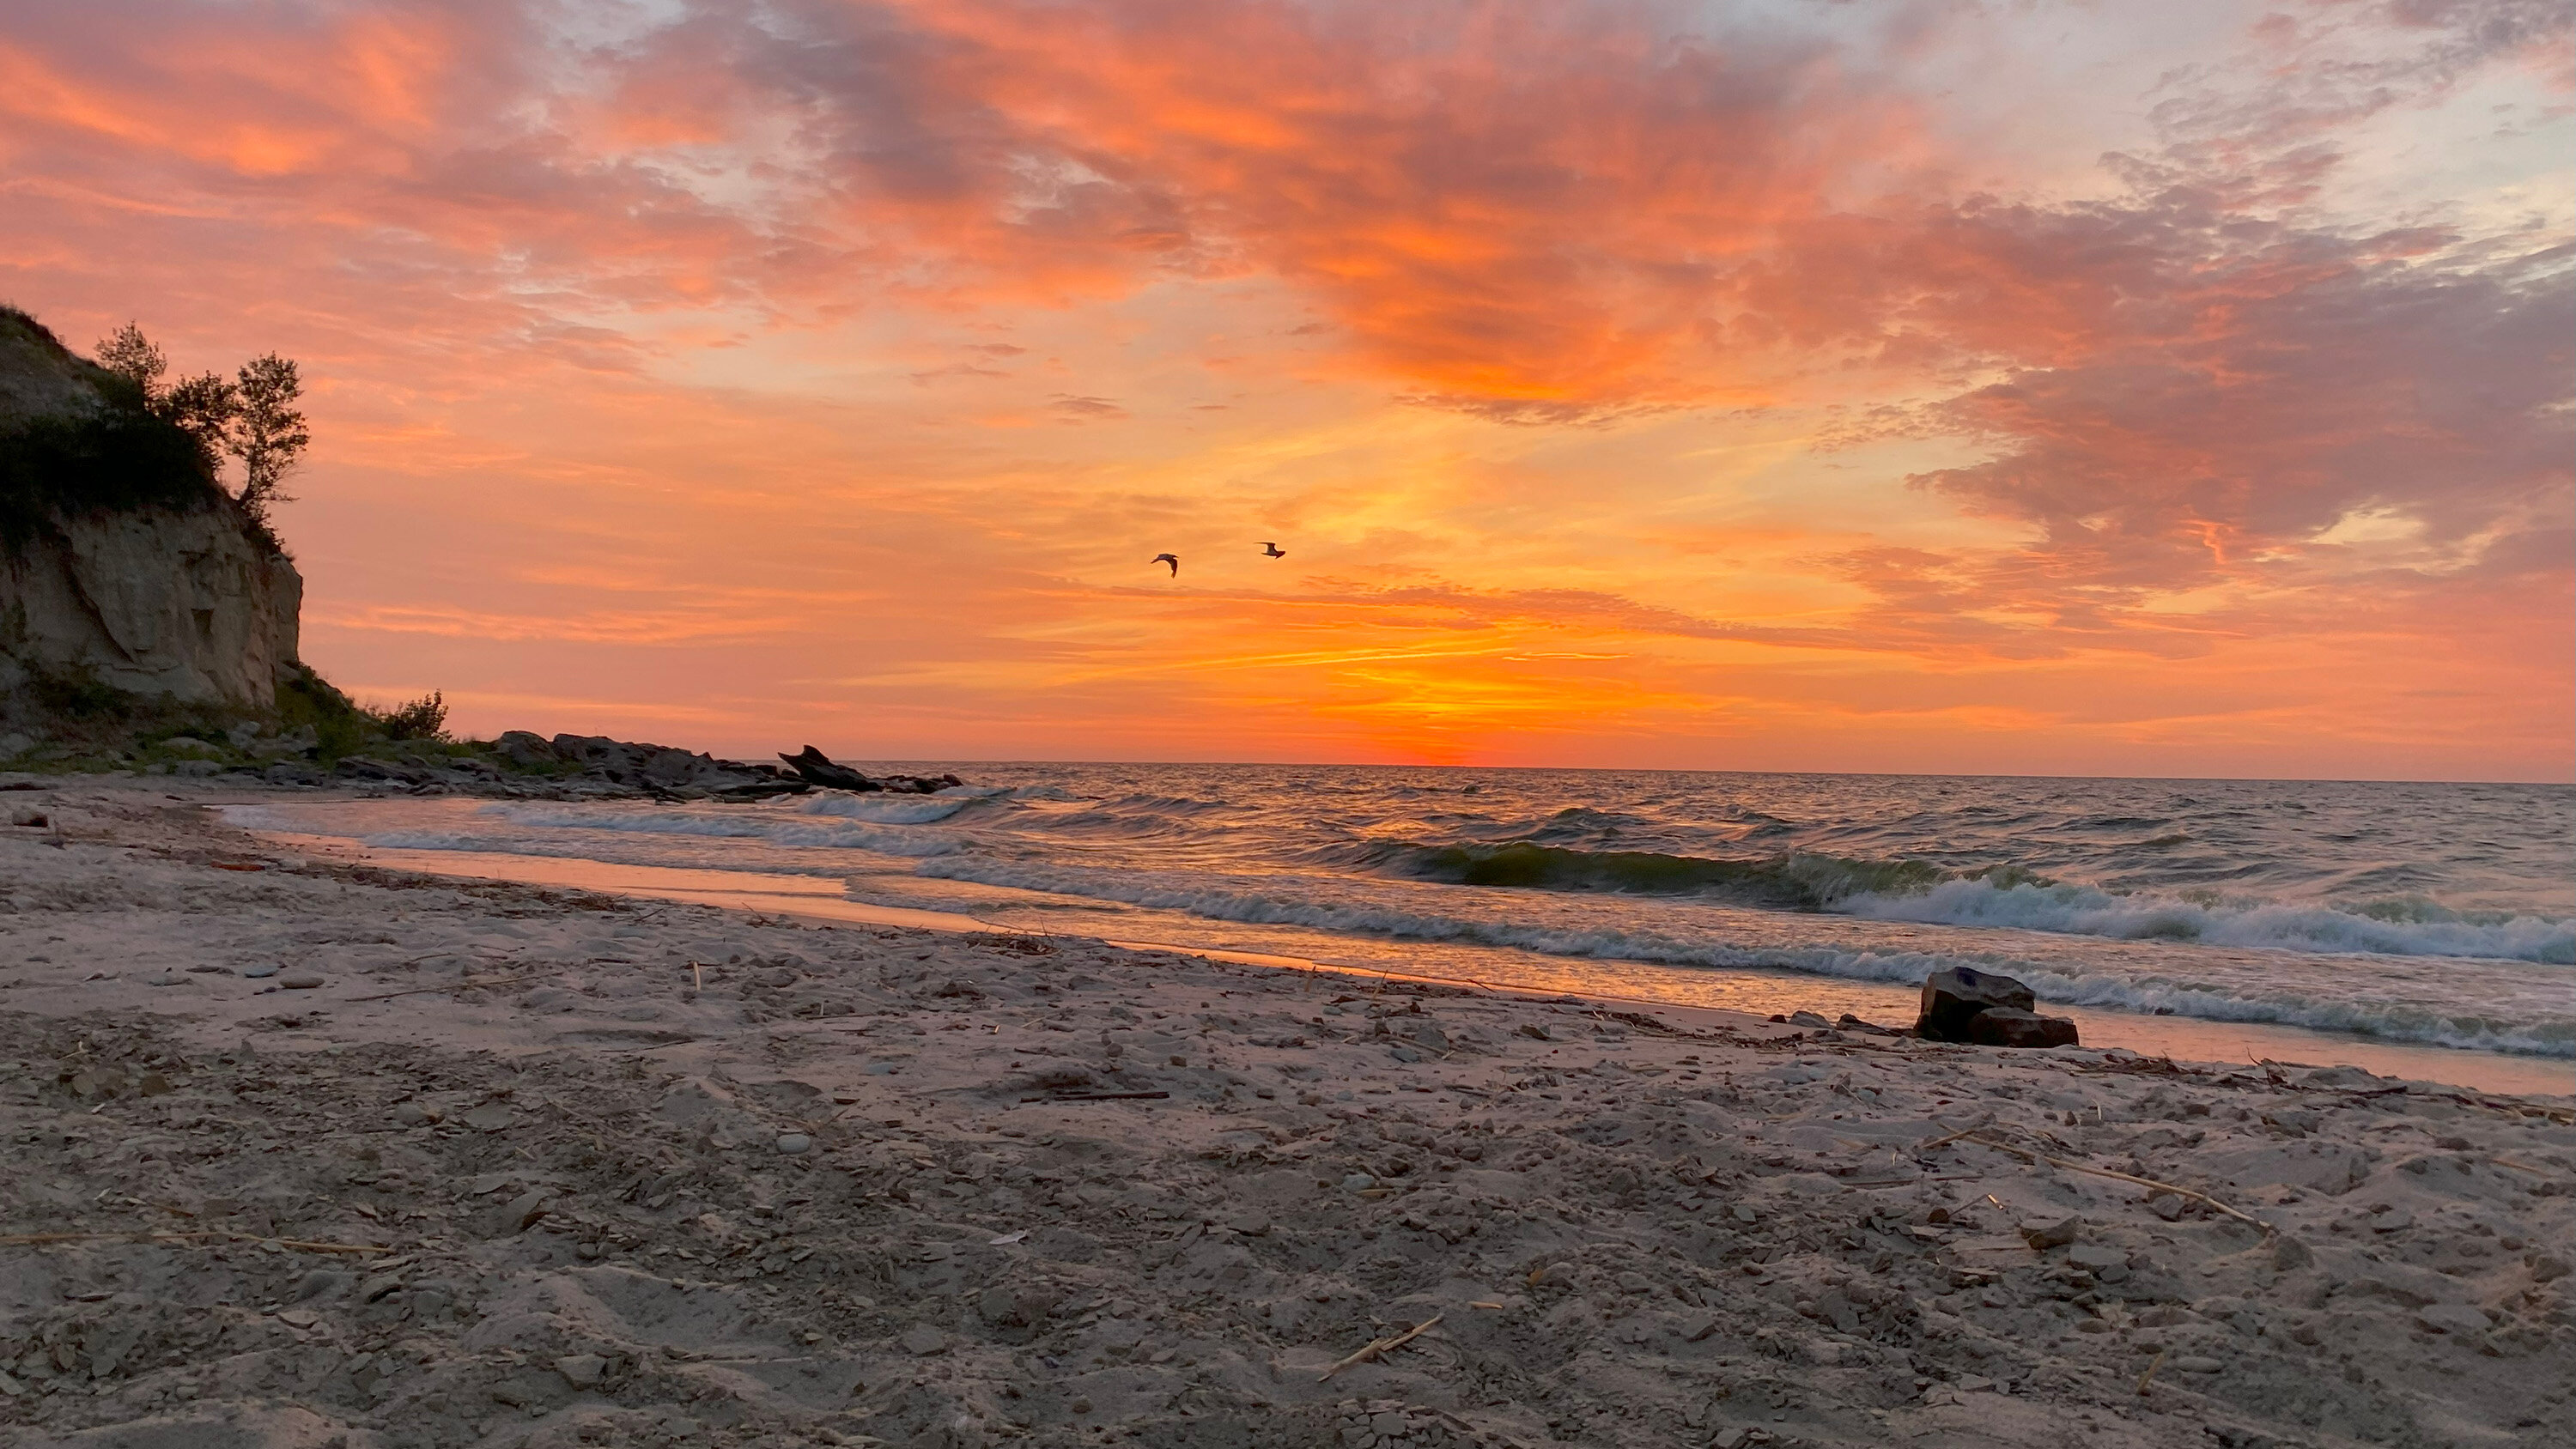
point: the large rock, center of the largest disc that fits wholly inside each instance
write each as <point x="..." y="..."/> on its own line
<point x="2010" y="1026"/>
<point x="1952" y="998"/>
<point x="1966" y="1005"/>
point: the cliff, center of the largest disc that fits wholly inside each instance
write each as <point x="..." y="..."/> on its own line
<point x="123" y="562"/>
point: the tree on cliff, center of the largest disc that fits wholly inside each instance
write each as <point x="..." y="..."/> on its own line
<point x="267" y="432"/>
<point x="136" y="358"/>
<point x="251" y="415"/>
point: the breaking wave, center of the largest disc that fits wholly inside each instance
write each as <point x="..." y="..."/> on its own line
<point x="2391" y="927"/>
<point x="1793" y="881"/>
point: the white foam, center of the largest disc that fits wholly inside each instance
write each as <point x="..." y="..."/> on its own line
<point x="738" y="823"/>
<point x="2085" y="911"/>
<point x="890" y="809"/>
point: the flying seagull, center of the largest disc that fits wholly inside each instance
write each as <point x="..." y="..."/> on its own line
<point x="1169" y="558"/>
<point x="1272" y="550"/>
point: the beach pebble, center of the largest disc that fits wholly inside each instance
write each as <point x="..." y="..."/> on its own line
<point x="1358" y="1182"/>
<point x="2097" y="1256"/>
<point x="2289" y="1254"/>
<point x="792" y="1143"/>
<point x="2166" y="1205"/>
<point x="413" y="1114"/>
<point x="32" y="819"/>
<point x="2548" y="1267"/>
<point x="2051" y="1232"/>
<point x="490" y="1117"/>
<point x="2451" y="1318"/>
<point x="257" y="972"/>
<point x="2194" y="1363"/>
<point x="300" y="980"/>
<point x="582" y="1370"/>
<point x="922" y="1339"/>
<point x="524" y="1210"/>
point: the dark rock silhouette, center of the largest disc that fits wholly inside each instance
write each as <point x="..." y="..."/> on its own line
<point x="817" y="768"/>
<point x="1957" y="1001"/>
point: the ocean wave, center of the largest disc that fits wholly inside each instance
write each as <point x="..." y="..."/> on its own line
<point x="2392" y="928"/>
<point x="1793" y="881"/>
<point x="2336" y="1007"/>
<point x="735" y="824"/>
<point x="888" y="809"/>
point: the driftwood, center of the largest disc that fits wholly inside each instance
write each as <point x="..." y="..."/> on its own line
<point x="2214" y="1204"/>
<point x="1381" y="1346"/>
<point x="465" y="985"/>
<point x="819" y="769"/>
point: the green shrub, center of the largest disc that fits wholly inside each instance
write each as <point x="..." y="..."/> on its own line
<point x="424" y="718"/>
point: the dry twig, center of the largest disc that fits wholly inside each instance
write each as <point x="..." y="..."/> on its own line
<point x="2214" y="1204"/>
<point x="146" y="1235"/>
<point x="1381" y="1346"/>
<point x="2145" y="1378"/>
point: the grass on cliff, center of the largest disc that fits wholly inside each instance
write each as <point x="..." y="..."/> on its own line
<point x="113" y="458"/>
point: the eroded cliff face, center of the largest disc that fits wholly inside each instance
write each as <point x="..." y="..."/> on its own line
<point x="122" y="559"/>
<point x="154" y="601"/>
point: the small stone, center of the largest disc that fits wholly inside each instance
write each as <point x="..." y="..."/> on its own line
<point x="2052" y="1232"/>
<point x="2289" y="1254"/>
<point x="1358" y="1182"/>
<point x="2097" y="1256"/>
<point x="2193" y="1363"/>
<point x="524" y="1210"/>
<point x="794" y="1143"/>
<point x="490" y="1117"/>
<point x="300" y="980"/>
<point x="412" y="1114"/>
<point x="2451" y="1318"/>
<point x="2548" y="1268"/>
<point x="582" y="1370"/>
<point x="922" y="1339"/>
<point x="258" y="972"/>
<point x="2392" y="1222"/>
<point x="1744" y="1213"/>
<point x="1080" y="1406"/>
<point x="2166" y="1205"/>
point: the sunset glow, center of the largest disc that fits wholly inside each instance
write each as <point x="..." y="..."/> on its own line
<point x="2167" y="390"/>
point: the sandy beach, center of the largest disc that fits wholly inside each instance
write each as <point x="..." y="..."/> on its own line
<point x="308" y="1153"/>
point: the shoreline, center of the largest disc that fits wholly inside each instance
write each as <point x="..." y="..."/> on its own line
<point x="320" y="1151"/>
<point x="820" y="898"/>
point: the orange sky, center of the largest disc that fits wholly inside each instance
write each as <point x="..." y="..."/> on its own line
<point x="1934" y="387"/>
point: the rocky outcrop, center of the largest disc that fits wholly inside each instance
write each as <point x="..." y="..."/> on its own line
<point x="123" y="562"/>
<point x="665" y="771"/>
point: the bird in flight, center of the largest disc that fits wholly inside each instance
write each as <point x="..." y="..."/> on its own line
<point x="1170" y="558"/>
<point x="1272" y="550"/>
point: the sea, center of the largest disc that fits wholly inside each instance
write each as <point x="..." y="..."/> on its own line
<point x="2416" y="915"/>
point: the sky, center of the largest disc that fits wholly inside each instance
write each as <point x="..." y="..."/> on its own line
<point x="1986" y="388"/>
